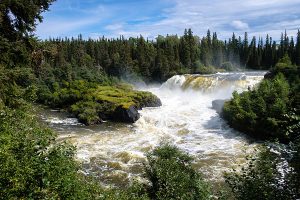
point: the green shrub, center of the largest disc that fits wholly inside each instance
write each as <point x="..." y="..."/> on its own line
<point x="260" y="112"/>
<point x="34" y="166"/>
<point x="284" y="63"/>
<point x="86" y="111"/>
<point x="265" y="176"/>
<point x="171" y="175"/>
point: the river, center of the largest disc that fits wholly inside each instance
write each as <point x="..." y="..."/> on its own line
<point x="115" y="152"/>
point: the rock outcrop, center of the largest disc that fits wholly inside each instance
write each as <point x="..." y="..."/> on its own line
<point x="127" y="115"/>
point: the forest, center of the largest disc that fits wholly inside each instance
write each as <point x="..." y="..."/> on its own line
<point x="91" y="79"/>
<point x="166" y="56"/>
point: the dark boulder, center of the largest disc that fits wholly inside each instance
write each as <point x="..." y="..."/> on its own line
<point x="218" y="105"/>
<point x="127" y="115"/>
<point x="148" y="99"/>
<point x="269" y="75"/>
<point x="154" y="102"/>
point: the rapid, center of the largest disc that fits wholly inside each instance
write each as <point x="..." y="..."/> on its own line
<point x="115" y="152"/>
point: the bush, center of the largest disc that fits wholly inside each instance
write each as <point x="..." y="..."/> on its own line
<point x="86" y="111"/>
<point x="171" y="175"/>
<point x="33" y="166"/>
<point x="261" y="112"/>
<point x="284" y="63"/>
<point x="266" y="176"/>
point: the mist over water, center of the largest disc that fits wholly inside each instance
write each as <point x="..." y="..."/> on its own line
<point x="115" y="152"/>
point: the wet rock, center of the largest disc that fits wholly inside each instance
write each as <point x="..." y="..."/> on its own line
<point x="154" y="102"/>
<point x="269" y="75"/>
<point x="89" y="122"/>
<point x="126" y="114"/>
<point x="218" y="105"/>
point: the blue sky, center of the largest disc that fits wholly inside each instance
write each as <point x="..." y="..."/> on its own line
<point x="112" y="18"/>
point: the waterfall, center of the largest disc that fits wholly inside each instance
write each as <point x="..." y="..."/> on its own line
<point x="115" y="152"/>
<point x="238" y="81"/>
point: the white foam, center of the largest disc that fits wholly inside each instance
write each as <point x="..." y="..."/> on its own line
<point x="185" y="119"/>
<point x="66" y="121"/>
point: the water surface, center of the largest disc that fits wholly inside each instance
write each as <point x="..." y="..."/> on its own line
<point x="115" y="152"/>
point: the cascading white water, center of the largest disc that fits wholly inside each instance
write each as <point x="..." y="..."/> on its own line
<point x="115" y="152"/>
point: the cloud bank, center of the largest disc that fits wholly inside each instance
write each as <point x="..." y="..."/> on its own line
<point x="132" y="18"/>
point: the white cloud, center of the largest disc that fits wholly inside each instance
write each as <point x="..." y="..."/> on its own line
<point x="70" y="18"/>
<point x="224" y="17"/>
<point x="114" y="27"/>
<point x="60" y="28"/>
<point x="239" y="25"/>
<point x="220" y="16"/>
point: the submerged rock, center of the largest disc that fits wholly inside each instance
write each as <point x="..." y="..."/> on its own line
<point x="218" y="105"/>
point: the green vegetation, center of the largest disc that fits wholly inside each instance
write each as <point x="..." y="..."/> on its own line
<point x="267" y="175"/>
<point x="83" y="77"/>
<point x="267" y="111"/>
<point x="92" y="102"/>
<point x="162" y="58"/>
<point x="260" y="112"/>
<point x="33" y="165"/>
<point x="270" y="111"/>
<point x="171" y="175"/>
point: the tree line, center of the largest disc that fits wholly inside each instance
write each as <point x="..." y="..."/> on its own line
<point x="157" y="60"/>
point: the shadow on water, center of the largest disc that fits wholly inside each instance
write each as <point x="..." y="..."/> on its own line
<point x="219" y="126"/>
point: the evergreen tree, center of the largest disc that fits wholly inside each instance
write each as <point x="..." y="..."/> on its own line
<point x="291" y="50"/>
<point x="162" y="58"/>
<point x="185" y="50"/>
<point x="245" y="50"/>
<point x="297" y="56"/>
<point x="274" y="54"/>
<point x="253" y="56"/>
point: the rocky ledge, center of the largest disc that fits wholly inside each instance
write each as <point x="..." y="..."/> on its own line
<point x="130" y="114"/>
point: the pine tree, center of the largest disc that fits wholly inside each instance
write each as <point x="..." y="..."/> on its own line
<point x="286" y="43"/>
<point x="208" y="36"/>
<point x="192" y="46"/>
<point x="297" y="56"/>
<point x="291" y="50"/>
<point x="259" y="53"/>
<point x="267" y="53"/>
<point x="281" y="47"/>
<point x="245" y="50"/>
<point x="185" y="50"/>
<point x="217" y="51"/>
<point x="253" y="57"/>
<point x="274" y="54"/>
